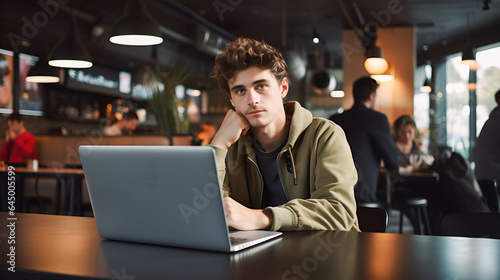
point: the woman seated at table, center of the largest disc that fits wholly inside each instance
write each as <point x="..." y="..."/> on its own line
<point x="405" y="136"/>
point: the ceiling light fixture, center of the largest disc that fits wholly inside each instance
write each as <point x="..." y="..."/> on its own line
<point x="316" y="38"/>
<point x="69" y="53"/>
<point x="375" y="62"/>
<point x="486" y="5"/>
<point x="386" y="76"/>
<point x="136" y="27"/>
<point x="468" y="58"/>
<point x="426" y="87"/>
<point x="43" y="73"/>
<point x="337" y="93"/>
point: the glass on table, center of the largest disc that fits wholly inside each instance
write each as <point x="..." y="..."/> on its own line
<point x="415" y="160"/>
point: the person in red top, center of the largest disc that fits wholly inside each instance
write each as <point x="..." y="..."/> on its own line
<point x="19" y="144"/>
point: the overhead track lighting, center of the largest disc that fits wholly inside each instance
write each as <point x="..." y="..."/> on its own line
<point x="136" y="27"/>
<point x="69" y="53"/>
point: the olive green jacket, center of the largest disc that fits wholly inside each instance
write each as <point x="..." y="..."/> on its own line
<point x="319" y="182"/>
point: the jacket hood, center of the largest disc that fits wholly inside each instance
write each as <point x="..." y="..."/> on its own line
<point x="301" y="119"/>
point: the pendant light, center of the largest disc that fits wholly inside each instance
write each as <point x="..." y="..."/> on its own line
<point x="375" y="62"/>
<point x="316" y="38"/>
<point x="43" y="73"/>
<point x="69" y="53"/>
<point x="136" y="27"/>
<point x="426" y="87"/>
<point x="386" y="76"/>
<point x="468" y="57"/>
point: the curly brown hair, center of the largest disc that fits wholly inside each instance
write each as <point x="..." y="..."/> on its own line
<point x="243" y="53"/>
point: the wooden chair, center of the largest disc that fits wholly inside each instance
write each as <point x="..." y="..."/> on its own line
<point x="490" y="193"/>
<point x="372" y="219"/>
<point x="486" y="225"/>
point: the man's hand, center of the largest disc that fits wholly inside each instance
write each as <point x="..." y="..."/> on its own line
<point x="243" y="218"/>
<point x="9" y="135"/>
<point x="231" y="129"/>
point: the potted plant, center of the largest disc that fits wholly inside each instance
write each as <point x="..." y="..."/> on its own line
<point x="164" y="102"/>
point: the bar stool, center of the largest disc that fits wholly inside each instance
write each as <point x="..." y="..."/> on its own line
<point x="420" y="206"/>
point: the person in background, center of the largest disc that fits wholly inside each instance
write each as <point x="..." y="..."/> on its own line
<point x="280" y="168"/>
<point x="124" y="126"/>
<point x="405" y="135"/>
<point x="19" y="144"/>
<point x="206" y="134"/>
<point x="369" y="135"/>
<point x="488" y="146"/>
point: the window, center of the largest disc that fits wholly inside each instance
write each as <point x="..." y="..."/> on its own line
<point x="488" y="83"/>
<point x="421" y="106"/>
<point x="458" y="110"/>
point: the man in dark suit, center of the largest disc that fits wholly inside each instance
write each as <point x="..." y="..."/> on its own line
<point x="488" y="146"/>
<point x="369" y="135"/>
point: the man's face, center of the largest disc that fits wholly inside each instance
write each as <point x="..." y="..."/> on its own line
<point x="15" y="126"/>
<point x="131" y="125"/>
<point x="257" y="95"/>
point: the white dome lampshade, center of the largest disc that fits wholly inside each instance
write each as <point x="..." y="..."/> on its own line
<point x="375" y="63"/>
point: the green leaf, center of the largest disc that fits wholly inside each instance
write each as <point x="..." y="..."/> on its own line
<point x="164" y="101"/>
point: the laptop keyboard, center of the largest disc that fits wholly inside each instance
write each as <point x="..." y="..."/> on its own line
<point x="238" y="240"/>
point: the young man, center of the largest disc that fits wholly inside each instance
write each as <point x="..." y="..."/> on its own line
<point x="126" y="125"/>
<point x="19" y="144"/>
<point x="369" y="135"/>
<point x="280" y="168"/>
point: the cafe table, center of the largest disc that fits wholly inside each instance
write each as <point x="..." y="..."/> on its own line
<point x="66" y="247"/>
<point x="73" y="199"/>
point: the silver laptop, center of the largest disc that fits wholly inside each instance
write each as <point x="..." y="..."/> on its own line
<point x="166" y="195"/>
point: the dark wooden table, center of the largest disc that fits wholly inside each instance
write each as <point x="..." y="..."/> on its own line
<point x="75" y="176"/>
<point x="63" y="247"/>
